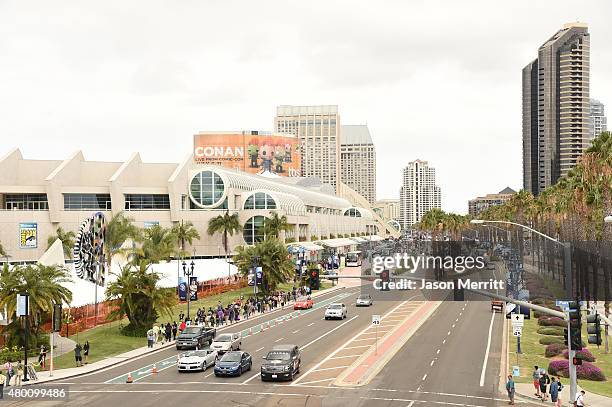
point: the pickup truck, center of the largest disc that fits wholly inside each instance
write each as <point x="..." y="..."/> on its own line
<point x="195" y="337"/>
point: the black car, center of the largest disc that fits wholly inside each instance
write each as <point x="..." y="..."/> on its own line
<point x="195" y="337"/>
<point x="233" y="364"/>
<point x="282" y="362"/>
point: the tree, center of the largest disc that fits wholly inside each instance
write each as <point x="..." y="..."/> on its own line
<point x="185" y="232"/>
<point x="158" y="244"/>
<point x="433" y="221"/>
<point x="67" y="239"/>
<point x="118" y="230"/>
<point x="139" y="297"/>
<point x="225" y="224"/>
<point x="45" y="287"/>
<point x="3" y="252"/>
<point x="274" y="225"/>
<point x="274" y="260"/>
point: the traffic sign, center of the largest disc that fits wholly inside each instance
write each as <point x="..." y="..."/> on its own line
<point x="516" y="371"/>
<point x="517" y="331"/>
<point x="517" y="319"/>
<point x="564" y="305"/>
<point x="375" y="319"/>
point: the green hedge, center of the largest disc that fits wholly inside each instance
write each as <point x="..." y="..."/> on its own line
<point x="547" y="340"/>
<point x="551" y="330"/>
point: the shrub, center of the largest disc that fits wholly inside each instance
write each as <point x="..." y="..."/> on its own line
<point x="332" y="236"/>
<point x="586" y="371"/>
<point x="548" y="340"/>
<point x="552" y="321"/>
<point x="583" y="354"/>
<point x="314" y="237"/>
<point x="290" y="240"/>
<point x="554" y="349"/>
<point x="551" y="330"/>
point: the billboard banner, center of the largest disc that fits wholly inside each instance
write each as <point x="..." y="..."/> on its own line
<point x="254" y="153"/>
<point x="28" y="235"/>
<point x="193" y="288"/>
<point x="182" y="289"/>
<point x="150" y="224"/>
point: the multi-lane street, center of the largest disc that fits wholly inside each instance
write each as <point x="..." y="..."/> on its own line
<point x="453" y="358"/>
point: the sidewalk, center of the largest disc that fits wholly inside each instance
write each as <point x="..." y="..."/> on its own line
<point x="527" y="391"/>
<point x="135" y="354"/>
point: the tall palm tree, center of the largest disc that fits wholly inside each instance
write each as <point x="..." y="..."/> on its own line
<point x="67" y="239"/>
<point x="158" y="244"/>
<point x="225" y="224"/>
<point x="274" y="225"/>
<point x="119" y="229"/>
<point x="433" y="221"/>
<point x="185" y="232"/>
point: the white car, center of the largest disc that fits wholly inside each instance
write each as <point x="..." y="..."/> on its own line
<point x="197" y="360"/>
<point x="226" y="343"/>
<point x="336" y="310"/>
<point x="364" y="300"/>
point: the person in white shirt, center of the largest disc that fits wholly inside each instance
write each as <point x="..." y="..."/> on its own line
<point x="580" y="398"/>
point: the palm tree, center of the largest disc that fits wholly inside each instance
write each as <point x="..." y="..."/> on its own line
<point x="67" y="239"/>
<point x="185" y="232"/>
<point x="433" y="221"/>
<point x="274" y="225"/>
<point x="43" y="284"/>
<point x="118" y="230"/>
<point x="225" y="224"/>
<point x="158" y="244"/>
<point x="139" y="298"/>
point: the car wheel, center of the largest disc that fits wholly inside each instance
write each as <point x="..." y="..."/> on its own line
<point x="250" y="366"/>
<point x="203" y="366"/>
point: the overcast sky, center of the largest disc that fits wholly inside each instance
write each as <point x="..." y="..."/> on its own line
<point x="435" y="80"/>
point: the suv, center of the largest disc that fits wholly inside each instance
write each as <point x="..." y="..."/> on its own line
<point x="282" y="362"/>
<point x="195" y="337"/>
<point x="364" y="300"/>
<point x="335" y="310"/>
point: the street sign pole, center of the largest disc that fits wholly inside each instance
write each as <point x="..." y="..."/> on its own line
<point x="570" y="357"/>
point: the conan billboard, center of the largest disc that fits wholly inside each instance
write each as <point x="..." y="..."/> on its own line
<point x="249" y="151"/>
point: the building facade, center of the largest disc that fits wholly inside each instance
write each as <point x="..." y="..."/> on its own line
<point x="419" y="193"/>
<point x="318" y="131"/>
<point x="556" y="108"/>
<point x="599" y="122"/>
<point x="477" y="205"/>
<point x="38" y="196"/>
<point x="358" y="160"/>
<point x="388" y="208"/>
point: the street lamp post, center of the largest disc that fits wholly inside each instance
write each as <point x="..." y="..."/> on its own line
<point x="188" y="272"/>
<point x="567" y="254"/>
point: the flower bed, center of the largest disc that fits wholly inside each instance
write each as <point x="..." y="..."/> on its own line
<point x="551" y="330"/>
<point x="551" y="321"/>
<point x="583" y="354"/>
<point x="554" y="349"/>
<point x="547" y="340"/>
<point x="586" y="371"/>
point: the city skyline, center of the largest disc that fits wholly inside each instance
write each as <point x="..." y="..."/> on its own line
<point x="156" y="86"/>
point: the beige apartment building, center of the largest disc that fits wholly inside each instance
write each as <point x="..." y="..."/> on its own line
<point x="419" y="193"/>
<point x="318" y="131"/>
<point x="358" y="160"/>
<point x="388" y="208"/>
<point x="38" y="196"/>
<point x="477" y="205"/>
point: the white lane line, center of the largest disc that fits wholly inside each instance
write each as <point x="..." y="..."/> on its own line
<point x="259" y="349"/>
<point x="296" y="331"/>
<point x="210" y="374"/>
<point x="443" y="342"/>
<point x="319" y="381"/>
<point x="358" y="346"/>
<point x="486" y="356"/>
<point x="424" y="377"/>
<point x="457" y="320"/>
<point x="330" y="368"/>
<point x="328" y="332"/>
<point x="448" y="333"/>
<point x="432" y="362"/>
<point x="438" y="352"/>
<point x="461" y="313"/>
<point x="347" y="356"/>
<point x="410" y="404"/>
<point x="453" y="326"/>
<point x="310" y="324"/>
<point x="279" y="339"/>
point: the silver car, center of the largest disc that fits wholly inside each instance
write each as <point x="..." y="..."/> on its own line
<point x="197" y="360"/>
<point x="364" y="300"/>
<point x="336" y="310"/>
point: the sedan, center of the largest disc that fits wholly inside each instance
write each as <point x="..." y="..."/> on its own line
<point x="303" y="303"/>
<point x="364" y="300"/>
<point x="197" y="360"/>
<point x="226" y="342"/>
<point x="233" y="364"/>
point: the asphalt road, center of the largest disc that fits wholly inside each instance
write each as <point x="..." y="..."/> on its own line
<point x="442" y="364"/>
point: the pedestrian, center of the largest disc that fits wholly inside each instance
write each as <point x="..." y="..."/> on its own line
<point x="9" y="372"/>
<point x="150" y="338"/>
<point x="555" y="388"/>
<point x="168" y="332"/>
<point x="536" y="380"/>
<point x="156" y="333"/>
<point x="86" y="350"/>
<point x="580" y="399"/>
<point x="544" y="381"/>
<point x="77" y="355"/>
<point x="42" y="356"/>
<point x="174" y="330"/>
<point x="183" y="326"/>
<point x="510" y="389"/>
<point x="2" y="382"/>
<point x="19" y="373"/>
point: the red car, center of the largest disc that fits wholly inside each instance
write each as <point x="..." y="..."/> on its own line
<point x="303" y="303"/>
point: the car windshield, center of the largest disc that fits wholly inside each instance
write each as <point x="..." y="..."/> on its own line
<point x="191" y="330"/>
<point x="200" y="353"/>
<point x="231" y="357"/>
<point x="335" y="306"/>
<point x="364" y="297"/>
<point x="224" y="338"/>
<point x="278" y="356"/>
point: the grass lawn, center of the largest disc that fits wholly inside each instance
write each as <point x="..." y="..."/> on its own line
<point x="533" y="355"/>
<point x="106" y="341"/>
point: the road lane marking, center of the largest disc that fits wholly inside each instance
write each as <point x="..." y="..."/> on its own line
<point x="347" y="356"/>
<point x="259" y="349"/>
<point x="424" y="377"/>
<point x="328" y="332"/>
<point x="443" y="342"/>
<point x="296" y="331"/>
<point x="330" y="368"/>
<point x="438" y="352"/>
<point x="310" y="324"/>
<point x="486" y="356"/>
<point x="448" y="333"/>
<point x="432" y="362"/>
<point x="319" y="381"/>
<point x="453" y="326"/>
<point x="358" y="346"/>
<point x="411" y="403"/>
<point x="279" y="339"/>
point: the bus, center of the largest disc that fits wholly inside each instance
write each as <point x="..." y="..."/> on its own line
<point x="353" y="259"/>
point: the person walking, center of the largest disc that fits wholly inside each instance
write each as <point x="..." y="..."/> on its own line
<point x="174" y="330"/>
<point x="510" y="389"/>
<point x="156" y="333"/>
<point x="42" y="356"/>
<point x="86" y="350"/>
<point x="2" y="383"/>
<point x="150" y="338"/>
<point x="18" y="373"/>
<point x="555" y="388"/>
<point x="580" y="399"/>
<point x="168" y="332"/>
<point x="77" y="355"/>
<point x="9" y="372"/>
<point x="544" y="381"/>
<point x="536" y="380"/>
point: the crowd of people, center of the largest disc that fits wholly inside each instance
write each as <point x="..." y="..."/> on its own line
<point x="547" y="388"/>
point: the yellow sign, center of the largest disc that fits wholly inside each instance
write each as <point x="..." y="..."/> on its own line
<point x="28" y="235"/>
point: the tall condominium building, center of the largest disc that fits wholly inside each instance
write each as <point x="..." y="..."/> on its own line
<point x="477" y="205"/>
<point x="358" y="160"/>
<point x="419" y="193"/>
<point x="318" y="132"/>
<point x="388" y="208"/>
<point x="598" y="119"/>
<point x="556" y="110"/>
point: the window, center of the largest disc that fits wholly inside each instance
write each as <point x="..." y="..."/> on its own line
<point x="143" y="202"/>
<point x="27" y="202"/>
<point x="253" y="230"/>
<point x="260" y="200"/>
<point x="79" y="202"/>
<point x="352" y="212"/>
<point x="206" y="189"/>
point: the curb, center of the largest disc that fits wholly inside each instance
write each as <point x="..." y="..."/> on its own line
<point x="379" y="364"/>
<point x="154" y="351"/>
